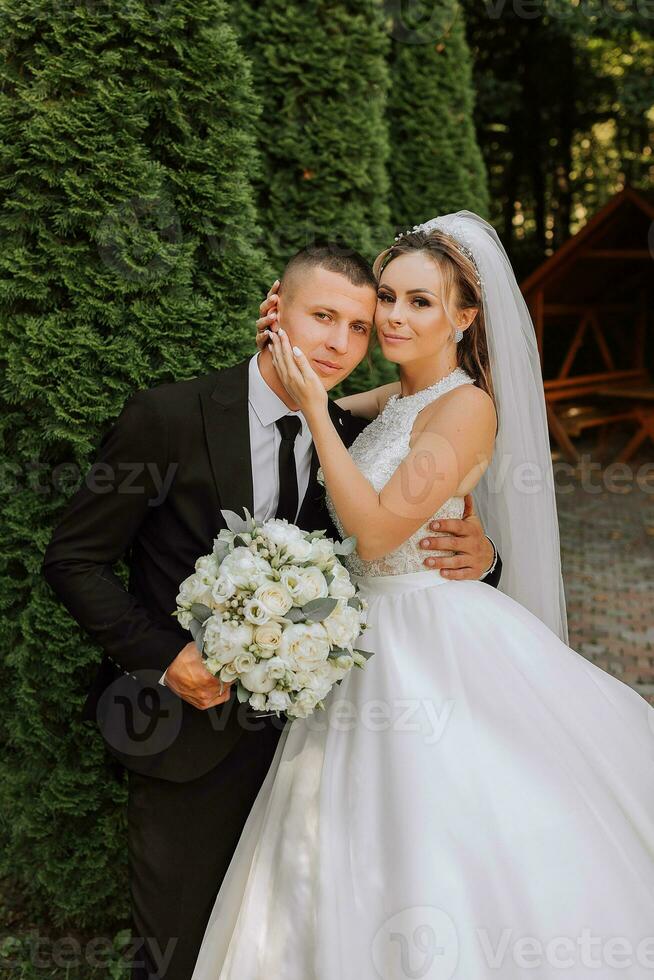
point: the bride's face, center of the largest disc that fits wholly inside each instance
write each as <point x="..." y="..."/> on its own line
<point x="410" y="318"/>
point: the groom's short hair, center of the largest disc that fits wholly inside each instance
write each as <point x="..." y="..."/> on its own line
<point x="333" y="256"/>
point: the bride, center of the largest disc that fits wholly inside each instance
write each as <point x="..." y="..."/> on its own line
<point x="478" y="801"/>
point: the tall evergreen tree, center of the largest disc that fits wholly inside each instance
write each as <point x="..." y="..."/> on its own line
<point x="321" y="71"/>
<point x="320" y="68"/>
<point x="126" y="158"/>
<point x="436" y="164"/>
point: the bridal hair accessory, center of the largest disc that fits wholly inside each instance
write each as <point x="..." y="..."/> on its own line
<point x="458" y="240"/>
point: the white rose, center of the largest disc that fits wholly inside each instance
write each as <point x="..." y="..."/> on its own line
<point x="223" y="589"/>
<point x="322" y="553"/>
<point x="225" y="640"/>
<point x="245" y="569"/>
<point x="280" y="532"/>
<point x="206" y="567"/>
<point x="303" y="705"/>
<point x="304" y="584"/>
<point x="304" y="645"/>
<point x="258" y="702"/>
<point x="257" y="679"/>
<point x="185" y="618"/>
<point x="268" y="637"/>
<point x="277" y="668"/>
<point x="298" y="550"/>
<point x="340" y="586"/>
<point x="228" y="674"/>
<point x="300" y="679"/>
<point x="192" y="590"/>
<point x="255" y="612"/>
<point x="343" y="625"/>
<point x="275" y="597"/>
<point x="338" y="673"/>
<point x="345" y="661"/>
<point x="244" y="662"/>
<point x="320" y="680"/>
<point x="278" y="701"/>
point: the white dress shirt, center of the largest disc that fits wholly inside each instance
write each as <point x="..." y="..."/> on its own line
<point x="264" y="408"/>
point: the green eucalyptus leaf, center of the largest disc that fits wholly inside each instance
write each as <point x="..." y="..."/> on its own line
<point x="200" y="612"/>
<point x="234" y="522"/>
<point x="198" y="635"/>
<point x="337" y="652"/>
<point x="295" y="615"/>
<point x="345" y="547"/>
<point x="319" y="609"/>
<point x="221" y="550"/>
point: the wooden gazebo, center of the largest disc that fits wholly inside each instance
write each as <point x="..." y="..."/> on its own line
<point x="590" y="305"/>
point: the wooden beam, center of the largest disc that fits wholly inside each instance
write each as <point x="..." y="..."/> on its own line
<point x="616" y="253"/>
<point x="563" y="309"/>
<point x="574" y="347"/>
<point x="587" y="384"/>
<point x="607" y="357"/>
<point x="561" y="436"/>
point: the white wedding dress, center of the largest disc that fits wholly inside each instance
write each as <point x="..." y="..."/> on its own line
<point x="477" y="802"/>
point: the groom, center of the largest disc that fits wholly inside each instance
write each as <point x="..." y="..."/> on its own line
<point x="177" y="454"/>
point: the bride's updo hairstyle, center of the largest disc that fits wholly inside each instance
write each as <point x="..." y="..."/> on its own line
<point x="461" y="291"/>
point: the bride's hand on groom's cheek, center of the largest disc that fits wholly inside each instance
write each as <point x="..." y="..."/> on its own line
<point x="190" y="680"/>
<point x="298" y="377"/>
<point x="268" y="316"/>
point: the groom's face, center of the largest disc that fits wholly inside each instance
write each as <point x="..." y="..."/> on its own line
<point x="329" y="319"/>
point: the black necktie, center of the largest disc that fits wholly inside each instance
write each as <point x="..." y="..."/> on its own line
<point x="289" y="426"/>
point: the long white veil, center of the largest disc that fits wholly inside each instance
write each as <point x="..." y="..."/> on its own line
<point x="515" y="498"/>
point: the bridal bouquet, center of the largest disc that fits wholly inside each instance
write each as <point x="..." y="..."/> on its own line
<point x="273" y="609"/>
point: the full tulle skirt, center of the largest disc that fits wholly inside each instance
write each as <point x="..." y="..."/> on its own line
<point x="478" y="801"/>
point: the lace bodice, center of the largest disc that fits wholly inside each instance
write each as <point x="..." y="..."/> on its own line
<point x="378" y="451"/>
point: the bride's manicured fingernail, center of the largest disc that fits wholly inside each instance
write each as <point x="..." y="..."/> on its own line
<point x="281" y="332"/>
<point x="297" y="351"/>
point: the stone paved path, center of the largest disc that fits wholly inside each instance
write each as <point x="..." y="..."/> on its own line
<point x="607" y="544"/>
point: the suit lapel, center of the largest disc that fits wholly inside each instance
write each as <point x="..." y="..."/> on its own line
<point x="227" y="431"/>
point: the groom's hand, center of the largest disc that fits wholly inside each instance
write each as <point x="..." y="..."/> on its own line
<point x="268" y="319"/>
<point x="189" y="679"/>
<point x="472" y="552"/>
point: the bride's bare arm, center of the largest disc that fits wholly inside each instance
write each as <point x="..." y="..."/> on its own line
<point x="368" y="404"/>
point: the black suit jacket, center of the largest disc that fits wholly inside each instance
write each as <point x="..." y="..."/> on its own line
<point x="176" y="456"/>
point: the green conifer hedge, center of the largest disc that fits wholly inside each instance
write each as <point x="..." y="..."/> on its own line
<point x="127" y="153"/>
<point x="320" y="69"/>
<point x="435" y="165"/>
